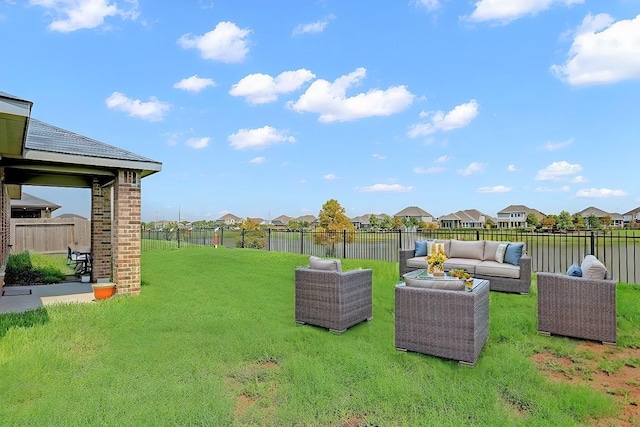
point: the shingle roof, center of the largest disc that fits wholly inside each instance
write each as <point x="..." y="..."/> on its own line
<point x="29" y="201"/>
<point x="44" y="137"/>
<point x="413" y="211"/>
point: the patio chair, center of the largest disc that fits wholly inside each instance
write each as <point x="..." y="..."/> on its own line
<point x="335" y="300"/>
<point x="578" y="307"/>
<point x="75" y="257"/>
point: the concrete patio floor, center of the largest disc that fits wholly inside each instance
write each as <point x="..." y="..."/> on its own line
<point x="42" y="295"/>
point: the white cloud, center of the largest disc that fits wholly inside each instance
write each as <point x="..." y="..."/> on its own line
<point x="312" y="28"/>
<point x="329" y="100"/>
<point x="558" y="171"/>
<point x="459" y="117"/>
<point x="226" y="43"/>
<point x="553" y="146"/>
<point x="602" y="52"/>
<point x="444" y="159"/>
<point x="379" y="156"/>
<point x="72" y="15"/>
<point x="579" y="179"/>
<point x="194" y="84"/>
<point x="600" y="193"/>
<point x="505" y="11"/>
<point x="512" y="168"/>
<point x="330" y="176"/>
<point x="429" y="4"/>
<point x="494" y="189"/>
<point x="258" y="139"/>
<point x="262" y="88"/>
<point x="474" y="167"/>
<point x="428" y="170"/>
<point x="564" y="188"/>
<point x="258" y="160"/>
<point x="153" y="110"/>
<point x="385" y="188"/>
<point x="198" y="143"/>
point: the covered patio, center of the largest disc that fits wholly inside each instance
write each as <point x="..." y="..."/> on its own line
<point x="35" y="153"/>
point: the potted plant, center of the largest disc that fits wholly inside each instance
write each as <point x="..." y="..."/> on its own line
<point x="103" y="290"/>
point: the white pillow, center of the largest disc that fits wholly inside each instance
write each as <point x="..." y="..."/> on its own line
<point x="316" y="263"/>
<point x="592" y="268"/>
<point x="502" y="249"/>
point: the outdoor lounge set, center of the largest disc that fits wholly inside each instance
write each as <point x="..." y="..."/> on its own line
<point x="448" y="317"/>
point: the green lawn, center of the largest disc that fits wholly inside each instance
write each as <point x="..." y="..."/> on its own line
<point x="211" y="341"/>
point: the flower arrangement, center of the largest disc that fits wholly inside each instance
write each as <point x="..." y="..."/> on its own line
<point x="436" y="260"/>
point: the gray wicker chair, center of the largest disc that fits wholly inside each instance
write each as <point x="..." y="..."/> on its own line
<point x="443" y="323"/>
<point x="577" y="307"/>
<point x="331" y="299"/>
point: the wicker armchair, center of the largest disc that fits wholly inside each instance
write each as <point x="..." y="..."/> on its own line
<point x="577" y="307"/>
<point x="443" y="323"/>
<point x="331" y="299"/>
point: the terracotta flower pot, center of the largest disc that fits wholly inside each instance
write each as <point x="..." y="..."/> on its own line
<point x="103" y="290"/>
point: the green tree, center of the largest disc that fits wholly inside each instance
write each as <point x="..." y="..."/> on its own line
<point x="488" y="223"/>
<point x="592" y="221"/>
<point x="550" y="222"/>
<point x="564" y="220"/>
<point x="386" y="223"/>
<point x="606" y="221"/>
<point x="532" y="220"/>
<point x="374" y="222"/>
<point x="332" y="223"/>
<point x="422" y="225"/>
<point x="578" y="221"/>
<point x="254" y="235"/>
<point x="293" y="225"/>
<point x="397" y="223"/>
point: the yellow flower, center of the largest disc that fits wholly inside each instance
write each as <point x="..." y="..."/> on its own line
<point x="437" y="258"/>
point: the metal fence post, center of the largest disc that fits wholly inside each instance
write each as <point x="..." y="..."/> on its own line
<point x="344" y="243"/>
<point x="243" y="230"/>
<point x="269" y="240"/>
<point x="593" y="243"/>
<point x="178" y="234"/>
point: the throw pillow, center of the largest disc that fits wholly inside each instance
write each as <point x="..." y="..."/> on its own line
<point x="513" y="253"/>
<point x="592" y="268"/>
<point x="435" y="248"/>
<point x="574" y="271"/>
<point x="449" y="285"/>
<point x="502" y="249"/>
<point x="421" y="248"/>
<point x="316" y="263"/>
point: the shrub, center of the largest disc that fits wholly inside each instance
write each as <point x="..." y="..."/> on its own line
<point x="47" y="275"/>
<point x="19" y="269"/>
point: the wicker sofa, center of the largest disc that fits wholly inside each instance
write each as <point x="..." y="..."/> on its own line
<point x="331" y="298"/>
<point x="578" y="307"/>
<point x="477" y="257"/>
<point x="445" y="323"/>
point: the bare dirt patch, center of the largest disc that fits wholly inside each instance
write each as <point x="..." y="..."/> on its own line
<point x="612" y="370"/>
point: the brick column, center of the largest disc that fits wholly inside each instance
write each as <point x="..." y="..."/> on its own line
<point x="126" y="239"/>
<point x="100" y="232"/>
<point x="5" y="225"/>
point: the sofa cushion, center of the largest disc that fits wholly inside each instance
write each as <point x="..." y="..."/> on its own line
<point x="490" y="247"/>
<point x="465" y="263"/>
<point x="421" y="248"/>
<point x="575" y="271"/>
<point x="316" y="263"/>
<point x="446" y="243"/>
<point x="467" y="249"/>
<point x="513" y="253"/>
<point x="451" y="285"/>
<point x="500" y="251"/>
<point x="592" y="268"/>
<point x="417" y="262"/>
<point x="495" y="269"/>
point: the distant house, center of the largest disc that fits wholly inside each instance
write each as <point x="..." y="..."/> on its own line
<point x="280" y="221"/>
<point x="617" y="220"/>
<point x="229" y="220"/>
<point x="415" y="212"/>
<point x="29" y="206"/>
<point x="363" y="222"/>
<point x="260" y="221"/>
<point x="71" y="215"/>
<point x="633" y="216"/>
<point x="469" y="218"/>
<point x="515" y="216"/>
<point x="309" y="219"/>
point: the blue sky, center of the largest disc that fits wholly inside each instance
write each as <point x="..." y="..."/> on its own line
<point x="264" y="108"/>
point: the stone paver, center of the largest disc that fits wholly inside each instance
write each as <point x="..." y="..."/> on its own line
<point x="42" y="295"/>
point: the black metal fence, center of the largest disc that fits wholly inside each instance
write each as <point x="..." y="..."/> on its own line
<point x="619" y="250"/>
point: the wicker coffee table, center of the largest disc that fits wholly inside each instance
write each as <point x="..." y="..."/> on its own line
<point x="449" y="324"/>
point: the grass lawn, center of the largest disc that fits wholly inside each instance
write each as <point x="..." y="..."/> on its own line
<point x="212" y="341"/>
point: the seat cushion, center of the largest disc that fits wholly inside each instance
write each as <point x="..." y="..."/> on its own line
<point x="592" y="268"/>
<point x="451" y="285"/>
<point x="316" y="263"/>
<point x="490" y="247"/>
<point x="466" y="249"/>
<point x="417" y="262"/>
<point x="496" y="269"/>
<point x="466" y="264"/>
<point x="446" y="243"/>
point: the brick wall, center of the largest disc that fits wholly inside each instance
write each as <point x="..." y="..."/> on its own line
<point x="5" y="226"/>
<point x="126" y="239"/>
<point x="101" y="246"/>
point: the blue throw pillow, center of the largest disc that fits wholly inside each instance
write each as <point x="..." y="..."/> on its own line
<point x="513" y="253"/>
<point x="575" y="271"/>
<point x="421" y="248"/>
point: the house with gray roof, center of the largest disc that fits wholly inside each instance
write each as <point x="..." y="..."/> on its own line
<point x="29" y="206"/>
<point x="417" y="213"/>
<point x="469" y="218"/>
<point x="515" y="216"/>
<point x="632" y="217"/>
<point x="617" y="220"/>
<point x="36" y="153"/>
<point x="363" y="222"/>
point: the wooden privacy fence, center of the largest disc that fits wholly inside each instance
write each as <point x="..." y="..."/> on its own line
<point x="49" y="235"/>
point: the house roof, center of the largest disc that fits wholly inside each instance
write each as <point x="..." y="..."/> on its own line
<point x="591" y="210"/>
<point x="413" y="211"/>
<point x="229" y="216"/>
<point x="633" y="211"/>
<point x="307" y="218"/>
<point x="27" y="201"/>
<point x="522" y="208"/>
<point x="469" y="215"/>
